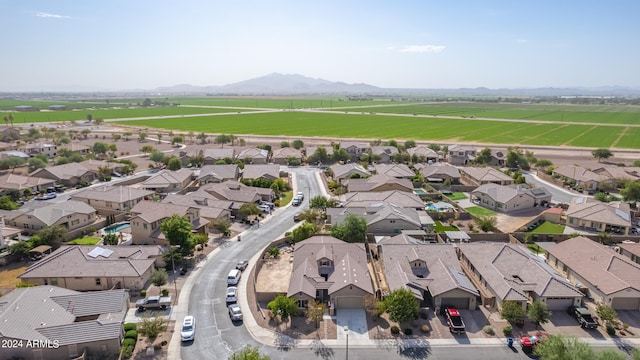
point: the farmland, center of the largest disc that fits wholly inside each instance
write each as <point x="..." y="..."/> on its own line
<point x="341" y="125"/>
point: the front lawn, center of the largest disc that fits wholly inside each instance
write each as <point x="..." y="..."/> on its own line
<point x="478" y="211"/>
<point x="548" y="228"/>
<point x="87" y="240"/>
<point x="440" y="227"/>
<point x="286" y="198"/>
<point x="457" y="196"/>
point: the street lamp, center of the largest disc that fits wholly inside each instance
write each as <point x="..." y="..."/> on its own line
<point x="173" y="266"/>
<point x="346" y="331"/>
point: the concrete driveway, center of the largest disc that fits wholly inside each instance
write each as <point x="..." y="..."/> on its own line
<point x="355" y="320"/>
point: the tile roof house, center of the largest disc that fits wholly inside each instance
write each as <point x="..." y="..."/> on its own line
<point x="610" y="278"/>
<point x="369" y="199"/>
<point x="95" y="165"/>
<point x="63" y="323"/>
<point x="461" y="154"/>
<point x="109" y="199"/>
<point x="9" y="133"/>
<point x="511" y="272"/>
<point x="70" y="214"/>
<point x="77" y="148"/>
<point x="91" y="268"/>
<point x="68" y="174"/>
<point x="32" y="149"/>
<point x="211" y="208"/>
<point x="218" y="173"/>
<point x="380" y="182"/>
<point x="439" y="173"/>
<point x="254" y="156"/>
<point x="583" y="178"/>
<point x="431" y="272"/>
<point x="310" y="150"/>
<point x="20" y="182"/>
<point x="147" y="216"/>
<point x="590" y="214"/>
<point x="423" y="153"/>
<point x="213" y="155"/>
<point x="281" y="156"/>
<point x="12" y="153"/>
<point x="509" y="198"/>
<point x="346" y="171"/>
<point x="354" y="148"/>
<point x="330" y="270"/>
<point x="386" y="219"/>
<point x="168" y="181"/>
<point x="386" y="153"/>
<point x="630" y="250"/>
<point x="400" y="171"/>
<point x="267" y="172"/>
<point x="498" y="157"/>
<point x="238" y="194"/>
<point x="477" y="176"/>
<point x="619" y="172"/>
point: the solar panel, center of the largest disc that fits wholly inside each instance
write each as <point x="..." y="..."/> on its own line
<point x="98" y="251"/>
<point x="622" y="214"/>
<point x="580" y="200"/>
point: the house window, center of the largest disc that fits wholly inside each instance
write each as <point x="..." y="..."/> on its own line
<point x="144" y="226"/>
<point x="54" y="282"/>
<point x="98" y="282"/>
<point x="26" y="226"/>
<point x="153" y="226"/>
<point x="392" y="221"/>
<point x="303" y="303"/>
<point x="75" y="222"/>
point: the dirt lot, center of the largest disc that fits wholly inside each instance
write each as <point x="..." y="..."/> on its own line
<point x="9" y="276"/>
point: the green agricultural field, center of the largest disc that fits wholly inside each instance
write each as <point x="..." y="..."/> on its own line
<point x="341" y="125"/>
<point x="277" y="103"/>
<point x="116" y="113"/>
<point x="6" y="104"/>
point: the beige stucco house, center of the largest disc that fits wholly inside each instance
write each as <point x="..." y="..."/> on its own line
<point x="147" y="216"/>
<point x="71" y="215"/>
<point x="509" y="198"/>
<point x="109" y="199"/>
<point x="168" y="181"/>
<point x="590" y="214"/>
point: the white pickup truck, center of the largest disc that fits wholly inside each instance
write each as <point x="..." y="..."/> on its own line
<point x="153" y="302"/>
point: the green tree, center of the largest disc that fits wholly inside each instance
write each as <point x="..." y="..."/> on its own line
<point x="35" y="163"/>
<point x="126" y="135"/>
<point x="12" y="162"/>
<point x="202" y="137"/>
<point x="51" y="236"/>
<point x="248" y="353"/>
<point x="538" y="313"/>
<point x="142" y="136"/>
<point x="315" y="312"/>
<point x="159" y="277"/>
<point x="100" y="148"/>
<point x="20" y="248"/>
<point x="543" y="163"/>
<point x="174" y="163"/>
<point x="511" y="311"/>
<point x="601" y="154"/>
<point x="157" y="157"/>
<point x="284" y="144"/>
<point x="610" y="354"/>
<point x="223" y="226"/>
<point x="147" y="149"/>
<point x="319" y="202"/>
<point x="85" y="133"/>
<point x="409" y="144"/>
<point x="152" y="327"/>
<point x="352" y="229"/>
<point x="304" y="231"/>
<point x="177" y="229"/>
<point x="560" y="347"/>
<point x="631" y="191"/>
<point x="200" y="239"/>
<point x="516" y="159"/>
<point x="401" y="306"/>
<point x="110" y="239"/>
<point x="340" y="155"/>
<point x="483" y="156"/>
<point x="7" y="204"/>
<point x="177" y="140"/>
<point x="319" y="156"/>
<point x="297" y="144"/>
<point x="249" y="209"/>
<point x="223" y="139"/>
<point x="487" y="223"/>
<point x="283" y="306"/>
<point x="607" y="314"/>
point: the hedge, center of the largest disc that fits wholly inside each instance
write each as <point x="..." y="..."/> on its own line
<point x="130" y="326"/>
<point x="131" y="334"/>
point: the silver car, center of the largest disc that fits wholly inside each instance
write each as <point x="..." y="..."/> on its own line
<point x="234" y="312"/>
<point x="232" y="294"/>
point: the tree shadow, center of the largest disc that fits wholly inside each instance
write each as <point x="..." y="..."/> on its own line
<point x="416" y="349"/>
<point x="284" y="342"/>
<point x="321" y="350"/>
<point x="623" y="345"/>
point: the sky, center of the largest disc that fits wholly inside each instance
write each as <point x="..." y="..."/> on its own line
<point x="115" y="45"/>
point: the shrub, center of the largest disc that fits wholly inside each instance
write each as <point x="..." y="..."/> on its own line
<point x="165" y="292"/>
<point x="143" y="293"/>
<point x="163" y="343"/>
<point x="126" y="351"/>
<point x="408" y="331"/>
<point x="129" y="326"/>
<point x="183" y="271"/>
<point x="488" y="330"/>
<point x="610" y="330"/>
<point x="425" y="328"/>
<point x="507" y="330"/>
<point x="395" y="330"/>
<point x="131" y="334"/>
<point x="128" y="341"/>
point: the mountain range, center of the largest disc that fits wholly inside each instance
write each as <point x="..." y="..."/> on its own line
<point x="294" y="84"/>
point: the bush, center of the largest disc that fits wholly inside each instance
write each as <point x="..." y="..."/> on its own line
<point x="408" y="331"/>
<point x="126" y="351"/>
<point x="610" y="330"/>
<point x="128" y="341"/>
<point x="143" y="293"/>
<point x="507" y="330"/>
<point x="425" y="328"/>
<point x="183" y="271"/>
<point x="165" y="292"/>
<point x="163" y="343"/>
<point x="131" y="334"/>
<point x="395" y="330"/>
<point x="130" y="326"/>
<point x="488" y="330"/>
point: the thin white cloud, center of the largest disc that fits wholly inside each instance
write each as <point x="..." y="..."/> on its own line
<point x="51" y="16"/>
<point x="423" y="48"/>
<point x="522" y="41"/>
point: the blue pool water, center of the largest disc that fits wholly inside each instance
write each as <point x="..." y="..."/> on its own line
<point x="419" y="192"/>
<point x="115" y="228"/>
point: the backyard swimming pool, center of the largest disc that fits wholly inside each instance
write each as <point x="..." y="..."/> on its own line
<point x="439" y="206"/>
<point x="419" y="192"/>
<point x="112" y="229"/>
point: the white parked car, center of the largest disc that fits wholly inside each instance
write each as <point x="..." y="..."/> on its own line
<point x="232" y="294"/>
<point x="188" y="331"/>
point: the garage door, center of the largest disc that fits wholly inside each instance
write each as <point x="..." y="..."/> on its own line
<point x="459" y="303"/>
<point x="625" y="303"/>
<point x="559" y="303"/>
<point x="350" y="302"/>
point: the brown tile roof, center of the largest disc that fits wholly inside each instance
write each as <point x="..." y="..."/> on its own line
<point x="368" y="199"/>
<point x="20" y="182"/>
<point x="605" y="269"/>
<point x="485" y="174"/>
<point x="395" y="170"/>
<point x="578" y="173"/>
<point x="371" y="183"/>
<point x="255" y="171"/>
<point x="117" y="194"/>
<point x="613" y="213"/>
<point x="151" y="211"/>
<point x="286" y="152"/>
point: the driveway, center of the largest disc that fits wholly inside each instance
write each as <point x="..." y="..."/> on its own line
<point x="355" y="320"/>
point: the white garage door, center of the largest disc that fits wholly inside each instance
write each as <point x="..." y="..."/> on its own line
<point x="559" y="303"/>
<point x="458" y="303"/>
<point x="625" y="303"/>
<point x="350" y="302"/>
